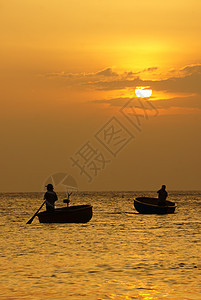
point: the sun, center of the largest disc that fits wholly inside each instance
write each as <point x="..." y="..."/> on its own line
<point x="142" y="92"/>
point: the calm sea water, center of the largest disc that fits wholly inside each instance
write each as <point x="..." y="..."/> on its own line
<point x="119" y="254"/>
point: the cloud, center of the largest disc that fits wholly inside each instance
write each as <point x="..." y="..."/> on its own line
<point x="185" y="80"/>
<point x="182" y="102"/>
<point x="152" y="69"/>
<point x="191" y="69"/>
<point x="107" y="72"/>
<point x="119" y="84"/>
<point x="186" y="84"/>
<point x="113" y="101"/>
<point x="106" y="75"/>
<point x="190" y="102"/>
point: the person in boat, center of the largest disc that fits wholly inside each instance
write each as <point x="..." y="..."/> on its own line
<point x="50" y="198"/>
<point x="162" y="195"/>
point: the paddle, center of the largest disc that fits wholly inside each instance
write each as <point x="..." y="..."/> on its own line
<point x="30" y="221"/>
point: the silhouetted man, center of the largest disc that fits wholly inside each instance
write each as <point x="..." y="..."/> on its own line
<point x="162" y="195"/>
<point x="50" y="197"/>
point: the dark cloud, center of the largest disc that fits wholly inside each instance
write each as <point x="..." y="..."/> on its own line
<point x="186" y="84"/>
<point x="113" y="102"/>
<point x="117" y="84"/>
<point x="152" y="69"/>
<point x="191" y="69"/>
<point x="189" y="83"/>
<point x="176" y="102"/>
<point x="107" y="72"/>
<point x="183" y="102"/>
<point x="186" y="80"/>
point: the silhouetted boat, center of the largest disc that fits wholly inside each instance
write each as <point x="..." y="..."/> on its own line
<point x="71" y="214"/>
<point x="147" y="205"/>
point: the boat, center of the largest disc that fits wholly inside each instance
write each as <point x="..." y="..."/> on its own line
<point x="147" y="205"/>
<point x="69" y="214"/>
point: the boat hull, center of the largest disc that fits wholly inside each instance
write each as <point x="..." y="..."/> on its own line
<point x="72" y="214"/>
<point x="147" y="205"/>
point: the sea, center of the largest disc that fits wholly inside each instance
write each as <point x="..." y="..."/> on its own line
<point x="119" y="254"/>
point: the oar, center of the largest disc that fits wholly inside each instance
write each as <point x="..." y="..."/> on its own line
<point x="30" y="221"/>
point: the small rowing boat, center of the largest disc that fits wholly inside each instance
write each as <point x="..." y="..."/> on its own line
<point x="71" y="214"/>
<point x="147" y="205"/>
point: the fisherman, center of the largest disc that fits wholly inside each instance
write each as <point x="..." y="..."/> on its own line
<point x="162" y="195"/>
<point x="50" y="197"/>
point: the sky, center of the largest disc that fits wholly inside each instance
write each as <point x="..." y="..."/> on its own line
<point x="69" y="112"/>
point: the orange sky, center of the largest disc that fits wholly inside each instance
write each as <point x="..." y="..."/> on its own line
<point x="68" y="67"/>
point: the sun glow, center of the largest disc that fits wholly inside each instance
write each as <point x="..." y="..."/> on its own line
<point x="142" y="92"/>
